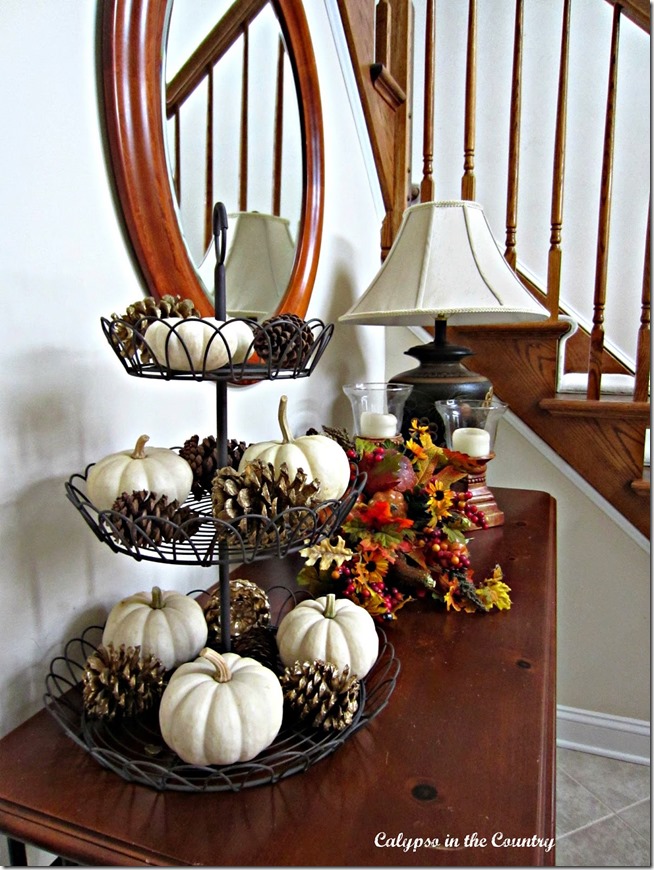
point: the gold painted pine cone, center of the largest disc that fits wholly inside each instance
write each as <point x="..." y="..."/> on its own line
<point x="320" y="694"/>
<point x="249" y="608"/>
<point x="120" y="682"/>
<point x="140" y="315"/>
<point x="260" y="491"/>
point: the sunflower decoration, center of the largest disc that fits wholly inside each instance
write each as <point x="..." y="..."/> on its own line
<point x="405" y="538"/>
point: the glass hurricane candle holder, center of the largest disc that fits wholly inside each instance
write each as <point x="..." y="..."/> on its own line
<point x="377" y="409"/>
<point x="470" y="427"/>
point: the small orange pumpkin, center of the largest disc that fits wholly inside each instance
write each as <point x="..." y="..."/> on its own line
<point x="394" y="498"/>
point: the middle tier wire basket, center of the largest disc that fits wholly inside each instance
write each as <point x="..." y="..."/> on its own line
<point x="202" y="539"/>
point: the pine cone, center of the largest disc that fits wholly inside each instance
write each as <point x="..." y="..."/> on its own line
<point x="261" y="491"/>
<point x="235" y="451"/>
<point x="119" y="682"/>
<point x="249" y="608"/>
<point x="202" y="456"/>
<point x="258" y="642"/>
<point x="285" y="340"/>
<point x="321" y="694"/>
<point x="236" y="494"/>
<point x="140" y="315"/>
<point x="150" y="519"/>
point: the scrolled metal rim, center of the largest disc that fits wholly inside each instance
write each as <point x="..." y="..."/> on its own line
<point x="129" y="344"/>
<point x="215" y="541"/>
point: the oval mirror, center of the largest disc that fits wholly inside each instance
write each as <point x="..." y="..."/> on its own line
<point x="134" y="33"/>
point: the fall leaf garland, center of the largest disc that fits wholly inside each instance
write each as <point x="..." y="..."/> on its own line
<point x="405" y="537"/>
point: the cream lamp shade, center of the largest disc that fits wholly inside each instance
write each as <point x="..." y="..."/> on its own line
<point x="258" y="263"/>
<point x="445" y="263"/>
<point x="443" y="267"/>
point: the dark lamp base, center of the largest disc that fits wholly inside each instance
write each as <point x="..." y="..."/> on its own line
<point x="441" y="375"/>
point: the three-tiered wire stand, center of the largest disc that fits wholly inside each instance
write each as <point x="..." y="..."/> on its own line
<point x="133" y="748"/>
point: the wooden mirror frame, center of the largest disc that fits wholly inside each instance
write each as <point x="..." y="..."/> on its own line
<point x="132" y="54"/>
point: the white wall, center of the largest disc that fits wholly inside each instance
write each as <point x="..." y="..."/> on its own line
<point x="603" y="586"/>
<point x="65" y="400"/>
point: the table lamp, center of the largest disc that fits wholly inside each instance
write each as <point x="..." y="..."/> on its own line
<point x="444" y="266"/>
<point x="258" y="263"/>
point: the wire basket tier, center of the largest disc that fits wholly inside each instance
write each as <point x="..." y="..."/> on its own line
<point x="265" y="358"/>
<point x="135" y="750"/>
<point x="203" y="539"/>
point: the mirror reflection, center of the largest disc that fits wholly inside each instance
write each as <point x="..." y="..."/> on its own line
<point x="233" y="134"/>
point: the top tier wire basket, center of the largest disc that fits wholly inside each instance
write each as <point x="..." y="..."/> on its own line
<point x="217" y="360"/>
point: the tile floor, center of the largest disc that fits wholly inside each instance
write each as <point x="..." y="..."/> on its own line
<point x="603" y="812"/>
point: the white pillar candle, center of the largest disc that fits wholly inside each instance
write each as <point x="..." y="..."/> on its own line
<point x="375" y="425"/>
<point x="474" y="442"/>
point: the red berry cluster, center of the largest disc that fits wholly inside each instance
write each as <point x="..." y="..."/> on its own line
<point x="359" y="594"/>
<point x="442" y="553"/>
<point x="352" y="456"/>
<point x="470" y="510"/>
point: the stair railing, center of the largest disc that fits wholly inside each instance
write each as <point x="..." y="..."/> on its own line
<point x="602" y="369"/>
<point x="199" y="69"/>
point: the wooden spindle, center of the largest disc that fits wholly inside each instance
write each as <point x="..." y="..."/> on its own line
<point x="558" y="172"/>
<point x="208" y="191"/>
<point x="468" y="180"/>
<point x="243" y="187"/>
<point x="514" y="140"/>
<point x="641" y="385"/>
<point x="601" y="269"/>
<point x="279" y="133"/>
<point x="383" y="29"/>
<point x="427" y="186"/>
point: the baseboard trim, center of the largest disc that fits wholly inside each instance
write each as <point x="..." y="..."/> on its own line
<point x="601" y="734"/>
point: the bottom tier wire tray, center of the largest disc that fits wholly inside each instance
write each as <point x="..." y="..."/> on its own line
<point x="134" y="748"/>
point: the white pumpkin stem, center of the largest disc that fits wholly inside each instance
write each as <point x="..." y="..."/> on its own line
<point x="139" y="452"/>
<point x="330" y="606"/>
<point x="157" y="599"/>
<point x="287" y="435"/>
<point x="223" y="673"/>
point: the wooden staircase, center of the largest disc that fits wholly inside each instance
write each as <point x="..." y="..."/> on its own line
<point x="600" y="436"/>
<point x="602" y="440"/>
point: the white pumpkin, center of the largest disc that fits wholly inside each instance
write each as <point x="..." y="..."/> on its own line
<point x="186" y="344"/>
<point x="221" y="709"/>
<point x="156" y="469"/>
<point x="321" y="458"/>
<point x="333" y="630"/>
<point x="169" y="625"/>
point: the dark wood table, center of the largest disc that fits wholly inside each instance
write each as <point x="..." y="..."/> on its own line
<point x="462" y="756"/>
